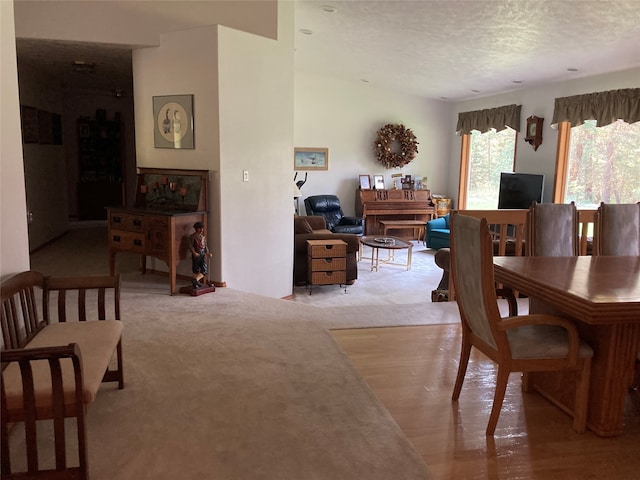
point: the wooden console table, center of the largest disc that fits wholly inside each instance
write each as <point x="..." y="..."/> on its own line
<point x="168" y="203"/>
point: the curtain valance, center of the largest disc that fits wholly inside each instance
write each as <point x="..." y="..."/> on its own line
<point x="483" y="120"/>
<point x="604" y="107"/>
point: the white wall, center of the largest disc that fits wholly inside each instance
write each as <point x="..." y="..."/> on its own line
<point x="538" y="101"/>
<point x="256" y="135"/>
<point x="14" y="247"/>
<point x="243" y="120"/>
<point x="345" y="117"/>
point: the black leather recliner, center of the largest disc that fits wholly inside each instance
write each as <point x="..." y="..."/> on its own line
<point x="328" y="206"/>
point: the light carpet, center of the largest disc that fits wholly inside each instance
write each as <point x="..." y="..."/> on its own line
<point x="232" y="385"/>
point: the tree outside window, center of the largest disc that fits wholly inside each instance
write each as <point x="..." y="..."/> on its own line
<point x="603" y="164"/>
<point x="490" y="153"/>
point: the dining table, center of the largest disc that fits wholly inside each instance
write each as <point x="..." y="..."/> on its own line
<point x="601" y="295"/>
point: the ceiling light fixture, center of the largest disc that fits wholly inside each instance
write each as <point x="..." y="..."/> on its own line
<point x="364" y="80"/>
<point x="329" y="9"/>
<point x="517" y="81"/>
<point x="306" y="31"/>
<point x="572" y="69"/>
<point x="475" y="91"/>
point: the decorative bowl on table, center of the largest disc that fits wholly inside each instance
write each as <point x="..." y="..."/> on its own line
<point x="385" y="240"/>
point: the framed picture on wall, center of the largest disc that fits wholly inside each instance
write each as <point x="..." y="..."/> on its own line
<point x="365" y="182"/>
<point x="173" y="122"/>
<point x="378" y="182"/>
<point x="310" y="158"/>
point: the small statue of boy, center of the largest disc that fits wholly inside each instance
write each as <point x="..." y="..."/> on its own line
<point x="199" y="254"/>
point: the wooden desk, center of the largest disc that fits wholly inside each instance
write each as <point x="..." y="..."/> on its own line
<point x="602" y="296"/>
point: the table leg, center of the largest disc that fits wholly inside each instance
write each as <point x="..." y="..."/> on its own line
<point x="377" y="250"/>
<point x="616" y="348"/>
<point x="409" y="257"/>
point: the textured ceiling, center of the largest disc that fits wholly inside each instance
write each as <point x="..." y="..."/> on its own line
<point x="449" y="48"/>
<point x="435" y="49"/>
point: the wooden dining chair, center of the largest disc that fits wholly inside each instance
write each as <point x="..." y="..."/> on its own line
<point x="617" y="232"/>
<point x="552" y="230"/>
<point x="535" y="342"/>
<point x="617" y="229"/>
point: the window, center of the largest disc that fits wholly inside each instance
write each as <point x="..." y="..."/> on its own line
<point x="603" y="163"/>
<point x="489" y="154"/>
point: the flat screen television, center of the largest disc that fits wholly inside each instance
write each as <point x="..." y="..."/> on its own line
<point x="520" y="190"/>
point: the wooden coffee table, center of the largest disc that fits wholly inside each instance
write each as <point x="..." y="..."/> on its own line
<point x="391" y="245"/>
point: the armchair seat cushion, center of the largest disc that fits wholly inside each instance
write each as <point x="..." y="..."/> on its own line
<point x="542" y="341"/>
<point x="353" y="229"/>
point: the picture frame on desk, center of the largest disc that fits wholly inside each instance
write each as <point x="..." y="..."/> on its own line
<point x="378" y="182"/>
<point x="310" y="158"/>
<point x="173" y="122"/>
<point x="365" y="182"/>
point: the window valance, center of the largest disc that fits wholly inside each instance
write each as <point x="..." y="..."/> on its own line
<point x="604" y="107"/>
<point x="483" y="120"/>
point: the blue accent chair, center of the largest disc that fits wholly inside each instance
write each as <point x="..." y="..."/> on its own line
<point x="436" y="235"/>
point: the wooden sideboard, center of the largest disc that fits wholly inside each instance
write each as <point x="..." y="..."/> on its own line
<point x="375" y="205"/>
<point x="168" y="203"/>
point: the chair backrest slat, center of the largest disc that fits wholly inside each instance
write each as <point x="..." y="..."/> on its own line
<point x="20" y="318"/>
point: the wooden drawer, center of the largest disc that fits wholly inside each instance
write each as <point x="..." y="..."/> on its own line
<point x="327" y="278"/>
<point x="326" y="248"/>
<point x="126" y="221"/>
<point x="327" y="264"/>
<point x="129" y="241"/>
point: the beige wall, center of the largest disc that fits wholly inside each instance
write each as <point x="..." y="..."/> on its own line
<point x="138" y="23"/>
<point x="14" y="246"/>
<point x="345" y="117"/>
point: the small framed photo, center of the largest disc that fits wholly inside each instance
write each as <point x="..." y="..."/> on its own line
<point x="365" y="182"/>
<point x="378" y="182"/>
<point x="310" y="158"/>
<point x="173" y="121"/>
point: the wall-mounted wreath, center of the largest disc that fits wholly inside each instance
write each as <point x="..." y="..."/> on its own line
<point x="395" y="146"/>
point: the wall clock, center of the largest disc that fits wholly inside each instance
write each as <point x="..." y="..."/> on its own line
<point x="534" y="131"/>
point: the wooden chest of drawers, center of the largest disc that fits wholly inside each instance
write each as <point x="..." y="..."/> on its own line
<point x="326" y="262"/>
<point x="163" y="235"/>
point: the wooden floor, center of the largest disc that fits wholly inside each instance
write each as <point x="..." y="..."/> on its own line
<point x="412" y="371"/>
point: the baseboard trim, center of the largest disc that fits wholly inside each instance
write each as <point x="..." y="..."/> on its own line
<point x="180" y="276"/>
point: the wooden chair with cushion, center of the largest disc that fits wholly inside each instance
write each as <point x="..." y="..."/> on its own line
<point x="552" y="230"/>
<point x="517" y="344"/>
<point x="617" y="232"/>
<point x="617" y="229"/>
